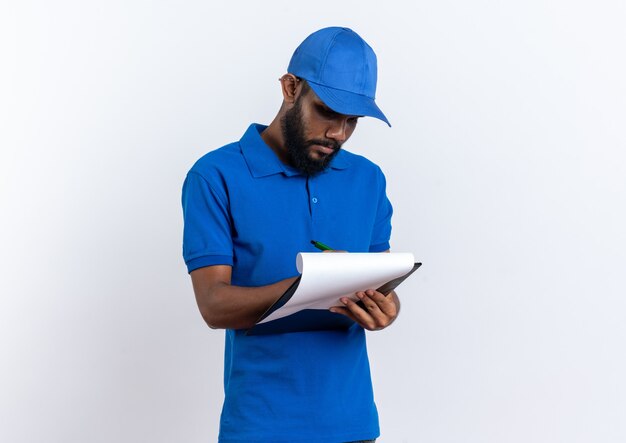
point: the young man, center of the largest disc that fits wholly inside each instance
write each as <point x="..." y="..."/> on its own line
<point x="250" y="207"/>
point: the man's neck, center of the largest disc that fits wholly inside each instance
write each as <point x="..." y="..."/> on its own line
<point x="273" y="137"/>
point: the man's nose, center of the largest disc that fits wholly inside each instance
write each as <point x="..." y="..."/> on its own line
<point x="338" y="130"/>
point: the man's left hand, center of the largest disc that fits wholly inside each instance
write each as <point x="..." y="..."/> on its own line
<point x="379" y="310"/>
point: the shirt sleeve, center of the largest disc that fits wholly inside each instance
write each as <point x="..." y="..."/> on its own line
<point x="382" y="224"/>
<point x="207" y="238"/>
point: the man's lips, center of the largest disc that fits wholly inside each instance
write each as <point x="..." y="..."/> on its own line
<point x="325" y="150"/>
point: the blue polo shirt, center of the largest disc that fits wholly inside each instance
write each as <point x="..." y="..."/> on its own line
<point x="243" y="207"/>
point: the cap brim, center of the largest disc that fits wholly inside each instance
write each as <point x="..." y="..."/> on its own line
<point x="348" y="103"/>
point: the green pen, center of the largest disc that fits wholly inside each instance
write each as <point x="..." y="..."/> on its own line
<point x="321" y="246"/>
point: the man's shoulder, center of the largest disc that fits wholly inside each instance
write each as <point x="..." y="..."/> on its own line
<point x="220" y="160"/>
<point x="359" y="163"/>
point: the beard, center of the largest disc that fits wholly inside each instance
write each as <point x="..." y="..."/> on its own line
<point x="298" y="147"/>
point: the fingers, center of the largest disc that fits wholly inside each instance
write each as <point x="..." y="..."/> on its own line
<point x="344" y="311"/>
<point x="375" y="311"/>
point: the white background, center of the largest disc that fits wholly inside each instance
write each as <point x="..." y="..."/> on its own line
<point x="506" y="165"/>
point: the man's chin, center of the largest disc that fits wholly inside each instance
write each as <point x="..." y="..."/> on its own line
<point x="316" y="165"/>
<point x="313" y="159"/>
<point x="314" y="168"/>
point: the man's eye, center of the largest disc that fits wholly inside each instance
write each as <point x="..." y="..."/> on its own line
<point x="326" y="112"/>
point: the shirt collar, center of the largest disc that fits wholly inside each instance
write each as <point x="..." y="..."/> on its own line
<point x="262" y="161"/>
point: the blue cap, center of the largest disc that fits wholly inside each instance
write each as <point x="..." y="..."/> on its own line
<point x="341" y="69"/>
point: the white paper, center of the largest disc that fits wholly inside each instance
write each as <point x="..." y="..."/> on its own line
<point x="326" y="277"/>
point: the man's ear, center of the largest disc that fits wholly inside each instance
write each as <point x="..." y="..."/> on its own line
<point x="289" y="84"/>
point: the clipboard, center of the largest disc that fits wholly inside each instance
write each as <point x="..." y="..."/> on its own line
<point x="314" y="319"/>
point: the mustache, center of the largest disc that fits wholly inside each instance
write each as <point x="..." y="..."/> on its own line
<point x="335" y="146"/>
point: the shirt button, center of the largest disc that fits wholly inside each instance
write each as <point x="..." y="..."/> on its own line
<point x="314" y="199"/>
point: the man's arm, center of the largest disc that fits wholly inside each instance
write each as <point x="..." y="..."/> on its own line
<point x="224" y="306"/>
